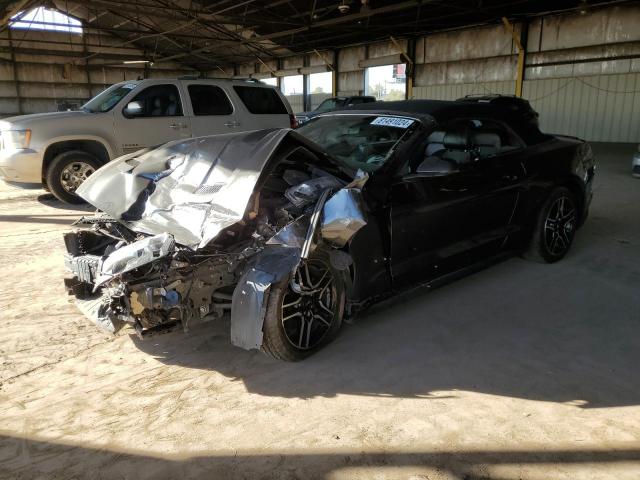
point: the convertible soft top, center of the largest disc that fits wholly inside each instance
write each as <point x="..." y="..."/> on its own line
<point x="512" y="110"/>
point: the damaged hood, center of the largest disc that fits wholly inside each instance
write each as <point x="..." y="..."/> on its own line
<point x="192" y="189"/>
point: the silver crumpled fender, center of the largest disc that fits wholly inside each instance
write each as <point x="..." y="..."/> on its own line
<point x="338" y="219"/>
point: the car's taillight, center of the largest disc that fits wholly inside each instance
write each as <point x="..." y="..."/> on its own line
<point x="293" y="121"/>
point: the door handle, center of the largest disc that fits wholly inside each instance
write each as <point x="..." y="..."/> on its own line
<point x="510" y="178"/>
<point x="175" y="126"/>
<point x="232" y="124"/>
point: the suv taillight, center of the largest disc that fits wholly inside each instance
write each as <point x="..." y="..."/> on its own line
<point x="293" y="121"/>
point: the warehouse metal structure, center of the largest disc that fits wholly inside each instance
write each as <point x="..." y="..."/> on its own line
<point x="578" y="62"/>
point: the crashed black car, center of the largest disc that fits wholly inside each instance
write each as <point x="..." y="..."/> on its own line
<point x="293" y="231"/>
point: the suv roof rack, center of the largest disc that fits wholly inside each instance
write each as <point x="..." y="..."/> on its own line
<point x="205" y="77"/>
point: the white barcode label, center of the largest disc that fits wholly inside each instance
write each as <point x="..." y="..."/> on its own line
<point x="392" y="122"/>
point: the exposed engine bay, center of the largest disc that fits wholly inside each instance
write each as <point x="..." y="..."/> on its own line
<point x="196" y="228"/>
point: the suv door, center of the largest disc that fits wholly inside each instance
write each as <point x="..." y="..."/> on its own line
<point x="441" y="223"/>
<point x="159" y="119"/>
<point x="212" y="112"/>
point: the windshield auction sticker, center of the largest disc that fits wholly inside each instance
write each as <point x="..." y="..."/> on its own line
<point x="392" y="122"/>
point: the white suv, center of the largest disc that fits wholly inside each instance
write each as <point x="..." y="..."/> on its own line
<point x="61" y="149"/>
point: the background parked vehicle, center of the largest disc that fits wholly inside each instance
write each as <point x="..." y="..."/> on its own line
<point x="635" y="164"/>
<point x="61" y="149"/>
<point x="334" y="103"/>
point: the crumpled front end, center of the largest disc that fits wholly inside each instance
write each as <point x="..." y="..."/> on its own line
<point x="194" y="229"/>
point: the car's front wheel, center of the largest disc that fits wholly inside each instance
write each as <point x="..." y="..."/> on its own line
<point x="67" y="172"/>
<point x="304" y="312"/>
<point x="555" y="227"/>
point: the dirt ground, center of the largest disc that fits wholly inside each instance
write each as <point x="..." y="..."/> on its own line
<point x="521" y="371"/>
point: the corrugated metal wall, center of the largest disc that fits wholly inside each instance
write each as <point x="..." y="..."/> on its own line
<point x="453" y="91"/>
<point x="600" y="108"/>
<point x="317" y="98"/>
<point x="597" y="108"/>
<point x="296" y="102"/>
<point x="582" y="71"/>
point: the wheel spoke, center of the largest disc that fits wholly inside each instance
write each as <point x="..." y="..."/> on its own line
<point x="302" y="325"/>
<point x="293" y="315"/>
<point x="306" y="272"/>
<point x="569" y="215"/>
<point x="323" y="320"/>
<point x="306" y="343"/>
<point x="291" y="304"/>
<point x="324" y="307"/>
<point x="315" y="285"/>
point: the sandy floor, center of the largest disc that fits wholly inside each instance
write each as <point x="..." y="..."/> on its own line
<point x="522" y="371"/>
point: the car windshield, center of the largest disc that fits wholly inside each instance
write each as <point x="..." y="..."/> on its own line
<point x="329" y="104"/>
<point x="105" y="101"/>
<point x="358" y="141"/>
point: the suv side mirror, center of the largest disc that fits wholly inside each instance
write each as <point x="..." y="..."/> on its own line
<point x="435" y="167"/>
<point x="133" y="109"/>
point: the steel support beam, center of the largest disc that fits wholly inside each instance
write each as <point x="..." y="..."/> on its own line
<point x="521" y="54"/>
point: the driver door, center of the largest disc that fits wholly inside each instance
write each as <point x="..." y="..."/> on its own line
<point x="160" y="120"/>
<point x="441" y="223"/>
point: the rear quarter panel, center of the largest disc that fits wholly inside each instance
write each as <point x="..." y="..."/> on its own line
<point x="559" y="161"/>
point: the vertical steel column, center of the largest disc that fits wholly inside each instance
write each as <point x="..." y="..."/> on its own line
<point x="411" y="67"/>
<point x="14" y="70"/>
<point x="87" y="69"/>
<point x="521" y="52"/>
<point x="306" y="101"/>
<point x="336" y="68"/>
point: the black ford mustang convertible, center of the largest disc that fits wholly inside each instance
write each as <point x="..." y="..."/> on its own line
<point x="292" y="231"/>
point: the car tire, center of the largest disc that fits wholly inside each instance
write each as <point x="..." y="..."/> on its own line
<point x="292" y="330"/>
<point x="67" y="171"/>
<point x="555" y="227"/>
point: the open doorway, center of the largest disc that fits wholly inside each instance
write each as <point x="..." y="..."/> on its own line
<point x="386" y="82"/>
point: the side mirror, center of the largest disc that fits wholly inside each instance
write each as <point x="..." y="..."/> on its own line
<point x="435" y="167"/>
<point x="133" y="109"/>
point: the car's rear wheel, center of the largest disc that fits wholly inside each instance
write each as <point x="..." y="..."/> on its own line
<point x="305" y="312"/>
<point x="555" y="227"/>
<point x="66" y="173"/>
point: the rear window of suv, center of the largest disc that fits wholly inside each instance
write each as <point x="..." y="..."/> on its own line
<point x="261" y="101"/>
<point x="209" y="100"/>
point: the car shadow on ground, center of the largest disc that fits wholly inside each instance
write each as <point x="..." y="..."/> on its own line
<point x="48" y="200"/>
<point x="54" y="219"/>
<point x="29" y="458"/>
<point x="486" y="333"/>
<point x="567" y="332"/>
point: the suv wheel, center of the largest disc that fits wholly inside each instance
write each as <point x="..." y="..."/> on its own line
<point x="67" y="172"/>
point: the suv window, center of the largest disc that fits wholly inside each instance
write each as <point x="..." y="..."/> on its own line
<point x="159" y="101"/>
<point x="209" y="100"/>
<point x="105" y="101"/>
<point x="261" y="100"/>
